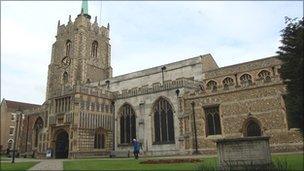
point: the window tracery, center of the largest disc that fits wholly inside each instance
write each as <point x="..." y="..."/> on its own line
<point x="127" y="124"/>
<point x="163" y="122"/>
<point x="246" y="80"/>
<point x="212" y="85"/>
<point x="213" y="124"/>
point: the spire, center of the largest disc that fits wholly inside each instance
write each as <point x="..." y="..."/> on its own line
<point x="84" y="7"/>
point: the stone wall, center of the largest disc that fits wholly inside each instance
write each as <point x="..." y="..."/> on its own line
<point x="261" y="100"/>
<point x="142" y="106"/>
<point x="83" y="67"/>
<point x="190" y="68"/>
<point x="27" y="136"/>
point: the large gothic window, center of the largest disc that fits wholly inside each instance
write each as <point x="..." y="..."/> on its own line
<point x="252" y="129"/>
<point x="246" y="80"/>
<point x="265" y="76"/>
<point x="212" y="85"/>
<point x="227" y="82"/>
<point x="99" y="139"/>
<point x="94" y="49"/>
<point x="37" y="129"/>
<point x="68" y="48"/>
<point x="127" y="124"/>
<point x="163" y="122"/>
<point x="213" y="123"/>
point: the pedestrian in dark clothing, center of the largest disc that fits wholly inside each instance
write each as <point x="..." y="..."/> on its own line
<point x="136" y="148"/>
<point x="7" y="152"/>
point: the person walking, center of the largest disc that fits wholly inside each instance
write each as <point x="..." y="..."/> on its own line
<point x="8" y="152"/>
<point x="136" y="148"/>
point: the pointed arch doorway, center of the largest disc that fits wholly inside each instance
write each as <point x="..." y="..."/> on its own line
<point x="62" y="145"/>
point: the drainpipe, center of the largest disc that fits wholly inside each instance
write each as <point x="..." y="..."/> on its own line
<point x="26" y="138"/>
<point x="195" y="133"/>
<point x="113" y="127"/>
<point x="163" y="69"/>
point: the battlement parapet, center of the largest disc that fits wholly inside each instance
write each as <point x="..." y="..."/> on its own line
<point x="158" y="87"/>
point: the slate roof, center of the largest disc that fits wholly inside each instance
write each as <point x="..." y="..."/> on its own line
<point x="20" y="105"/>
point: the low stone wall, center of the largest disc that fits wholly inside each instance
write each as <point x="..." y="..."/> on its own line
<point x="246" y="151"/>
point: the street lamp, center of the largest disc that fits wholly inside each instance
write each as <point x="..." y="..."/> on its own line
<point x="18" y="112"/>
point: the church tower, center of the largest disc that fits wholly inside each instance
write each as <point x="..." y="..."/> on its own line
<point x="81" y="54"/>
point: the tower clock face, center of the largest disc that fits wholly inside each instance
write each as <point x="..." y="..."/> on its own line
<point x="66" y="61"/>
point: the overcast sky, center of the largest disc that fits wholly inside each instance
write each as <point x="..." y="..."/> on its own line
<point x="143" y="35"/>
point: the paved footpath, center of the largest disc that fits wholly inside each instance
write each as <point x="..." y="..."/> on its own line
<point x="51" y="164"/>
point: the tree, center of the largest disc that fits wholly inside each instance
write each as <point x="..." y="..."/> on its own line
<point x="291" y="54"/>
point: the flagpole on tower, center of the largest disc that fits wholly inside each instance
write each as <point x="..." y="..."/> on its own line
<point x="100" y="12"/>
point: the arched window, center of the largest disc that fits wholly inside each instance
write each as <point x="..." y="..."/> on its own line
<point x="246" y="80"/>
<point x="94" y="49"/>
<point x="127" y="124"/>
<point x="68" y="48"/>
<point x="213" y="125"/>
<point x="252" y="129"/>
<point x="163" y="122"/>
<point x="212" y="85"/>
<point x="265" y="76"/>
<point x="65" y="77"/>
<point x="88" y="81"/>
<point x="37" y="128"/>
<point x="227" y="82"/>
<point x="99" y="139"/>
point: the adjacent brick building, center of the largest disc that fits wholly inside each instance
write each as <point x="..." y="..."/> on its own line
<point x="10" y="111"/>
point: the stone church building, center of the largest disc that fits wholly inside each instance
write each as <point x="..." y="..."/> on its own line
<point x="88" y="112"/>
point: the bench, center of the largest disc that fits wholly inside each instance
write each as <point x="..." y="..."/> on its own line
<point x="119" y="154"/>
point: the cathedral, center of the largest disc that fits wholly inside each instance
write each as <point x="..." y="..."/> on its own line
<point x="172" y="109"/>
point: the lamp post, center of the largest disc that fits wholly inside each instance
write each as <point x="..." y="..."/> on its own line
<point x="18" y="112"/>
<point x="194" y="125"/>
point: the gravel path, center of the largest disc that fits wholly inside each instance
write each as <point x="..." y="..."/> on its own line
<point x="51" y="164"/>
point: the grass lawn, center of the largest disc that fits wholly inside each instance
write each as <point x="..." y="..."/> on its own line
<point x="294" y="162"/>
<point x="17" y="166"/>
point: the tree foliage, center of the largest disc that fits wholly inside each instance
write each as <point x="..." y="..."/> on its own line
<point x="291" y="53"/>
